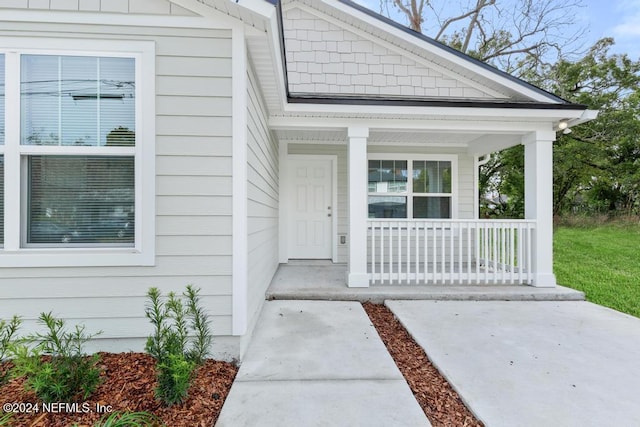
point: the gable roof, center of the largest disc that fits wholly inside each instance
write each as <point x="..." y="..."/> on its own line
<point x="438" y="45"/>
<point x="508" y="91"/>
<point x="473" y="83"/>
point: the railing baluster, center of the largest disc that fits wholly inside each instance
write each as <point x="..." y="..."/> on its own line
<point x="501" y="252"/>
<point x="408" y="265"/>
<point x="425" y="254"/>
<point x="382" y="226"/>
<point x="373" y="253"/>
<point x="451" y="253"/>
<point x="469" y="267"/>
<point x="502" y="247"/>
<point x="443" y="252"/>
<point x="417" y="255"/>
<point x="512" y="253"/>
<point x="390" y="252"/>
<point x="398" y="251"/>
<point x="460" y="255"/>
<point x="530" y="273"/>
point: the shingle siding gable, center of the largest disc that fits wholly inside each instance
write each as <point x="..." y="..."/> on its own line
<point x="323" y="57"/>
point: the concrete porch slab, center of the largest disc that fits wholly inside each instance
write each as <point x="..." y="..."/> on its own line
<point x="533" y="364"/>
<point x="326" y="281"/>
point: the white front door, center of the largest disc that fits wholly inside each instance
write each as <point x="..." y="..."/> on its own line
<point x="311" y="210"/>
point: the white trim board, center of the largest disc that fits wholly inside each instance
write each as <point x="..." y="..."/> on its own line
<point x="240" y="243"/>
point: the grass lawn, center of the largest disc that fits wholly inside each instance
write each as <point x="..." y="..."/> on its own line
<point x="603" y="262"/>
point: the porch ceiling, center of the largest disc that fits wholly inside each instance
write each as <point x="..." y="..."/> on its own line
<point x="476" y="143"/>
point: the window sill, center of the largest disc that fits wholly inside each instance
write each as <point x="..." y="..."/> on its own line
<point x="76" y="257"/>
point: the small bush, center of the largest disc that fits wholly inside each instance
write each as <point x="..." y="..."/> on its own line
<point x="7" y="332"/>
<point x="129" y="419"/>
<point x="64" y="373"/>
<point x="180" y="341"/>
<point x="5" y="419"/>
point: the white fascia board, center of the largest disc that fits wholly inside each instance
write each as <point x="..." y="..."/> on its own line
<point x="249" y="11"/>
<point x="273" y="35"/>
<point x="433" y="125"/>
<point x="525" y="114"/>
<point x="455" y="59"/>
<point x="586" y="116"/>
<point x="256" y="10"/>
<point x="260" y="7"/>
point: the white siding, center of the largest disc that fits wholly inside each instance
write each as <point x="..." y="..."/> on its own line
<point x="262" y="203"/>
<point x="465" y="179"/>
<point x="323" y="57"/>
<point x="154" y="7"/>
<point x="193" y="196"/>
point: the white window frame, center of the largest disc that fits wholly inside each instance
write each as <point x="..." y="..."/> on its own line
<point x="13" y="253"/>
<point x="409" y="194"/>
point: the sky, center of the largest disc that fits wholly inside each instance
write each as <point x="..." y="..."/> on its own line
<point x="619" y="19"/>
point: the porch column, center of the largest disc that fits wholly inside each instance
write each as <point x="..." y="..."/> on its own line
<point x="357" y="166"/>
<point x="538" y="191"/>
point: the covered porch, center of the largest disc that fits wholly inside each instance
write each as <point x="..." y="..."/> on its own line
<point x="435" y="237"/>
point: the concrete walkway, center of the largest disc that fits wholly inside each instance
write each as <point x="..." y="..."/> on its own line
<point x="533" y="363"/>
<point x="318" y="363"/>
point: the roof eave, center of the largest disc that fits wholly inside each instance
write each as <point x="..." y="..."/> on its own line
<point x="427" y="102"/>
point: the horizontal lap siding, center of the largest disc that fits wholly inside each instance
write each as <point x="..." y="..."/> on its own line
<point x="154" y="7"/>
<point x="262" y="200"/>
<point x="193" y="193"/>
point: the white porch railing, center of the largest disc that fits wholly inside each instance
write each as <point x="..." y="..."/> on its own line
<point x="470" y="252"/>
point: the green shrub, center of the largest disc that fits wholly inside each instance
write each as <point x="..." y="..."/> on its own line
<point x="7" y="332"/>
<point x="129" y="419"/>
<point x="66" y="373"/>
<point x="180" y="341"/>
<point x="5" y="419"/>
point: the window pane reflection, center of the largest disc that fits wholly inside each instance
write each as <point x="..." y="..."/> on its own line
<point x="388" y="176"/>
<point x="431" y="177"/>
<point x="387" y="207"/>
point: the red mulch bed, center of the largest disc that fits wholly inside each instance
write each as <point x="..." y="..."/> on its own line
<point x="440" y="403"/>
<point x="128" y="381"/>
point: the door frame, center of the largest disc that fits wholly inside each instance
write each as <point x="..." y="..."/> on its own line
<point x="286" y="190"/>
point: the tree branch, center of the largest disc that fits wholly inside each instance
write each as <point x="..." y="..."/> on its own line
<point x="481" y="5"/>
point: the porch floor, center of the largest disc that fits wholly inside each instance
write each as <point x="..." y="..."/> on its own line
<point x="323" y="280"/>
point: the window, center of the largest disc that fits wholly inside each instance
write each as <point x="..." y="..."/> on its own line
<point x="73" y="101"/>
<point x="411" y="188"/>
<point x="76" y="155"/>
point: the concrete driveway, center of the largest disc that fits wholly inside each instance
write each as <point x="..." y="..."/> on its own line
<point x="533" y="363"/>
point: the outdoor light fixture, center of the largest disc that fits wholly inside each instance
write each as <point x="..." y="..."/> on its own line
<point x="563" y="124"/>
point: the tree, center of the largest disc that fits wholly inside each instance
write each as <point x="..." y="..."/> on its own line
<point x="516" y="36"/>
<point x="597" y="165"/>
